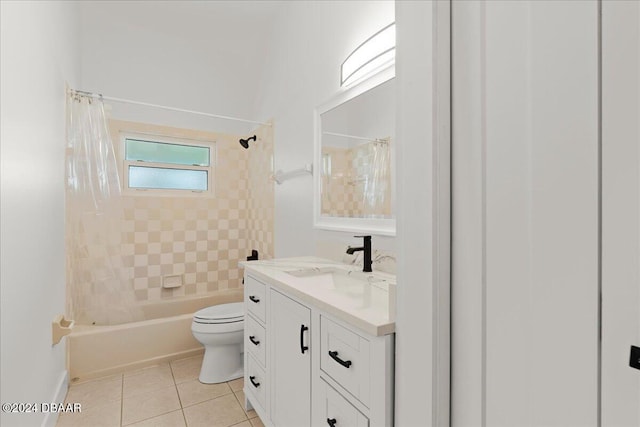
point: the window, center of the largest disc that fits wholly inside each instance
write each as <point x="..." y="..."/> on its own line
<point x="169" y="165"/>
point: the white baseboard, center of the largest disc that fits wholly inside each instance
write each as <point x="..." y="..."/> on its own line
<point x="51" y="418"/>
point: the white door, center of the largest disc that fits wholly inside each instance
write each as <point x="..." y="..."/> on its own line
<point x="525" y="213"/>
<point x="291" y="362"/>
<point x="620" y="212"/>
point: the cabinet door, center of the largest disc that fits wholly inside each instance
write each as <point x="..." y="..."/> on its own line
<point x="291" y="362"/>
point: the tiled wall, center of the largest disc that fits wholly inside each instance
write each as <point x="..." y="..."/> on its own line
<point x="202" y="238"/>
<point x="198" y="237"/>
<point x="261" y="207"/>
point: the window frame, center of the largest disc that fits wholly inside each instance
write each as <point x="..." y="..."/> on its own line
<point x="164" y="139"/>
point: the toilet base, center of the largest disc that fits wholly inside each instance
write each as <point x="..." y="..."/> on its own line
<point x="221" y="364"/>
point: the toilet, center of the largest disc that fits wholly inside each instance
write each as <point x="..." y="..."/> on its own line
<point x="220" y="329"/>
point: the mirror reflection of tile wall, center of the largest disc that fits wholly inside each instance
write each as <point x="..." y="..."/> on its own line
<point x="355" y="139"/>
<point x="345" y="174"/>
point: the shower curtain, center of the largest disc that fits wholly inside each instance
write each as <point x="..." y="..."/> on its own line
<point x="99" y="281"/>
<point x="376" y="201"/>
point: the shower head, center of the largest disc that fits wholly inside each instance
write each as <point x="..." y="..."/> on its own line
<point x="245" y="142"/>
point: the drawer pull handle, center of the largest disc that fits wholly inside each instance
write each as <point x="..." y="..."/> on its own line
<point x="334" y="356"/>
<point x="255" y="384"/>
<point x="303" y="347"/>
<point x="253" y="339"/>
<point x="332" y="422"/>
<point x="254" y="299"/>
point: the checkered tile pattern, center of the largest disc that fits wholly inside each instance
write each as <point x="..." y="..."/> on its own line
<point x="337" y="194"/>
<point x="200" y="238"/>
<point x="345" y="186"/>
<point x="261" y="194"/>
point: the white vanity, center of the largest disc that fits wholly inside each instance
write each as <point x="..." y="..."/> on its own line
<point x="319" y="343"/>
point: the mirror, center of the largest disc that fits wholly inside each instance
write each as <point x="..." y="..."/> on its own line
<point x="354" y="159"/>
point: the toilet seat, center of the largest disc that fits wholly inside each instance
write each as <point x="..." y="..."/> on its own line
<point x="220" y="314"/>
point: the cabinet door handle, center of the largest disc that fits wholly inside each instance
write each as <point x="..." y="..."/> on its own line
<point x="253" y="339"/>
<point x="255" y="384"/>
<point x="303" y="347"/>
<point x="334" y="356"/>
<point x="332" y="422"/>
<point x="254" y="299"/>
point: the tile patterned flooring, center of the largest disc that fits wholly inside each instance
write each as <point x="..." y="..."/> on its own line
<point x="165" y="395"/>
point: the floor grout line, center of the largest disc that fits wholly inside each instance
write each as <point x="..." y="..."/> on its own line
<point x="121" y="399"/>
<point x="184" y="417"/>
<point x="241" y="404"/>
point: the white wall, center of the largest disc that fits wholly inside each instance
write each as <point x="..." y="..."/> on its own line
<point x="423" y="134"/>
<point x="370" y="115"/>
<point x="301" y="72"/>
<point x="39" y="53"/>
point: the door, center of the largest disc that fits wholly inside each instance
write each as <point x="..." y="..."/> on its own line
<point x="620" y="212"/>
<point x="525" y="213"/>
<point x="291" y="362"/>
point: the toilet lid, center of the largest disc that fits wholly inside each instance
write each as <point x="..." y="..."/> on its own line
<point x="232" y="312"/>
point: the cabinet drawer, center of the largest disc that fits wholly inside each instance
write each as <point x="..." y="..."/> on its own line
<point x="255" y="340"/>
<point x="255" y="296"/>
<point x="255" y="384"/>
<point x="337" y="411"/>
<point x="345" y="358"/>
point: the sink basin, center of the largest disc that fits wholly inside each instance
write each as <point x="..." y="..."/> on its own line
<point x="350" y="289"/>
<point x="310" y="272"/>
<point x="336" y="278"/>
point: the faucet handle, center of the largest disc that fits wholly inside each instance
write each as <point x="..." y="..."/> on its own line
<point x="363" y="236"/>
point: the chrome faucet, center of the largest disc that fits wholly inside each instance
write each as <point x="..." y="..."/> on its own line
<point x="366" y="264"/>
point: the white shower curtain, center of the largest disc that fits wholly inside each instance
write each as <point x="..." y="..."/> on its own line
<point x="377" y="183"/>
<point x="99" y="281"/>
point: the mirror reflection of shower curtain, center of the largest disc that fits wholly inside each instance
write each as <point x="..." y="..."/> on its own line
<point x="99" y="282"/>
<point x="377" y="183"/>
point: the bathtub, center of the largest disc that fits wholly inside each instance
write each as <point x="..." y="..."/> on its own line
<point x="165" y="334"/>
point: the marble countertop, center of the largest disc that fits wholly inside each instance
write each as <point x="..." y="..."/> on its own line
<point x="362" y="300"/>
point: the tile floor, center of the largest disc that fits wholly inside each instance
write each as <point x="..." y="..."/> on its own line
<point x="166" y="395"/>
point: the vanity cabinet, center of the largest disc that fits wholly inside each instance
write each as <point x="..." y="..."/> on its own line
<point x="312" y="368"/>
<point x="290" y="370"/>
<point x="256" y="340"/>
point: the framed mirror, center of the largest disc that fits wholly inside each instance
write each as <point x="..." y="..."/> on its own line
<point x="354" y="158"/>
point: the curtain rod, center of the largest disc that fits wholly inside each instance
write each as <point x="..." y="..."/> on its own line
<point x="363" y="138"/>
<point x="164" y="107"/>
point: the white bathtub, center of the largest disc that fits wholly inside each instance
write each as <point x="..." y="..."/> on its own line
<point x="96" y="351"/>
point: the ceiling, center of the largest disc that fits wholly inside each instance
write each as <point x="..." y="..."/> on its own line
<point x="236" y="25"/>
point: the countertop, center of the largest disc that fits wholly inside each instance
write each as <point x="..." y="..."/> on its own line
<point x="364" y="304"/>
